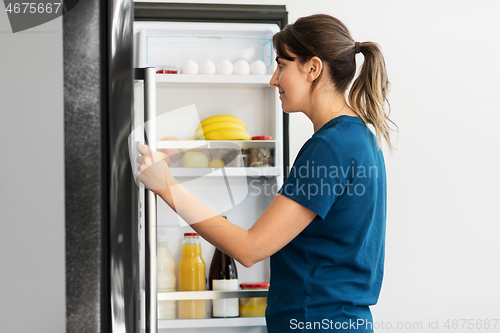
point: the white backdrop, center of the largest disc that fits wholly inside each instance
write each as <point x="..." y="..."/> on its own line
<point x="32" y="246"/>
<point x="442" y="249"/>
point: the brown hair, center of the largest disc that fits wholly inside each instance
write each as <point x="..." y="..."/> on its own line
<point x="329" y="39"/>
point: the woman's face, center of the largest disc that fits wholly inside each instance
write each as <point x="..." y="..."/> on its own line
<point x="293" y="86"/>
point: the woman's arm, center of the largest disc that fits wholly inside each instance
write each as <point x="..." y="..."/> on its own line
<point x="281" y="222"/>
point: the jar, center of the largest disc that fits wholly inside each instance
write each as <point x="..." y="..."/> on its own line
<point x="260" y="157"/>
<point x="245" y="153"/>
<point x="235" y="157"/>
<point x="253" y="306"/>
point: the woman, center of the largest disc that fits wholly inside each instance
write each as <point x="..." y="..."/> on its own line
<point x="325" y="230"/>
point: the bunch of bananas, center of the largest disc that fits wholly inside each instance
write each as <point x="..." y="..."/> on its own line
<point x="222" y="127"/>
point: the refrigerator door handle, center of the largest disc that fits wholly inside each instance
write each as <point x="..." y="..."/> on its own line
<point x="151" y="290"/>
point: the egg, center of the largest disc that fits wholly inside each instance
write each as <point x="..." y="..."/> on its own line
<point x="258" y="67"/>
<point x="241" y="67"/>
<point x="190" y="67"/>
<point x="207" y="67"/>
<point x="225" y="67"/>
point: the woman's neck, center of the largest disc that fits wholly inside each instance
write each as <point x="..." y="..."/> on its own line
<point x="326" y="106"/>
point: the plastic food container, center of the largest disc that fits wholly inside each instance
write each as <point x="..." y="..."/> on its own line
<point x="165" y="69"/>
<point x="254" y="306"/>
<point x="205" y="157"/>
<point x="260" y="157"/>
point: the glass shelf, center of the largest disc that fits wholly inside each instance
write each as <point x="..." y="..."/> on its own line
<point x="211" y="322"/>
<point x="211" y="294"/>
<point x="230" y="172"/>
<point x="243" y="81"/>
<point x="215" y="144"/>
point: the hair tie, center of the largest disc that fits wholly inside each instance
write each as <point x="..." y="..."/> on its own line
<point x="357" y="44"/>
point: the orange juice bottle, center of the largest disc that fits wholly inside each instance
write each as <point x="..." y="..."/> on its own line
<point x="191" y="277"/>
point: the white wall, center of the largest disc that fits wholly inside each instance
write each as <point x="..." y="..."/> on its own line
<point x="32" y="270"/>
<point x="442" y="249"/>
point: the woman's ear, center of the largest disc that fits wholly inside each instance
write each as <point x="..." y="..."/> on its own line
<point x="314" y="67"/>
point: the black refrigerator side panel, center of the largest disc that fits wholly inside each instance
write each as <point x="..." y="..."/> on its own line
<point x="84" y="30"/>
<point x="86" y="191"/>
<point x="190" y="12"/>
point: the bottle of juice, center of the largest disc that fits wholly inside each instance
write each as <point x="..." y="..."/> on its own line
<point x="166" y="279"/>
<point x="192" y="273"/>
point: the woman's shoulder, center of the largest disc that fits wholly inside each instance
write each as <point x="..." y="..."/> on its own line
<point x="341" y="130"/>
<point x="348" y="136"/>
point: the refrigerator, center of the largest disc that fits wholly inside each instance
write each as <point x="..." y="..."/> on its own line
<point x="151" y="97"/>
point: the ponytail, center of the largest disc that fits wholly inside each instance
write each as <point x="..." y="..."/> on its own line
<point x="368" y="93"/>
<point x="329" y="39"/>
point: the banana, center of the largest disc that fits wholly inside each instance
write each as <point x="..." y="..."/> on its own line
<point x="230" y="134"/>
<point x="221" y="117"/>
<point x="216" y="126"/>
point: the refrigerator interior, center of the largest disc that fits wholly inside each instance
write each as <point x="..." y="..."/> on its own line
<point x="185" y="99"/>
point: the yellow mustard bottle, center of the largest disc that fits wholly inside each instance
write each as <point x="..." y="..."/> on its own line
<point x="191" y="277"/>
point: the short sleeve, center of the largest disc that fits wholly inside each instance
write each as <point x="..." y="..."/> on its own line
<point x="315" y="180"/>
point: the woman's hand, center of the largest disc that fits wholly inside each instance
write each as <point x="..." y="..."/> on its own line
<point x="154" y="172"/>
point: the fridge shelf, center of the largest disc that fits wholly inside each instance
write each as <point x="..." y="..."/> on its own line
<point x="238" y="81"/>
<point x="211" y="294"/>
<point x="211" y="322"/>
<point x="215" y="144"/>
<point x="234" y="171"/>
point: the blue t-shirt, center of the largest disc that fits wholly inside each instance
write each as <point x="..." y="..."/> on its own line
<point x="327" y="276"/>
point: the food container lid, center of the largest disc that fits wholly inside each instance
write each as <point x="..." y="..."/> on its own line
<point x="259" y="285"/>
<point x="187" y="234"/>
<point x="261" y="137"/>
<point x="166" y="69"/>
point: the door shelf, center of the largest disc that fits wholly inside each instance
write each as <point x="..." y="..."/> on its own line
<point x="225" y="81"/>
<point x="211" y="322"/>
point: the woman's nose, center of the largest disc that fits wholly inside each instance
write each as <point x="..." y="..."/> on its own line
<point x="274" y="79"/>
